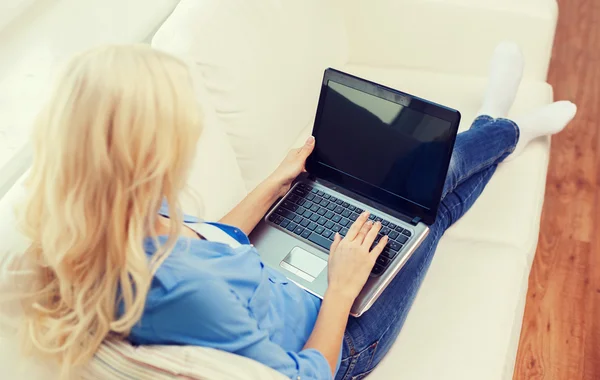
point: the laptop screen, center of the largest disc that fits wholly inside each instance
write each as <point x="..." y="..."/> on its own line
<point x="387" y="144"/>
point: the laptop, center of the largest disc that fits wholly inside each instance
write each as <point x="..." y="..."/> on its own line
<point x="376" y="149"/>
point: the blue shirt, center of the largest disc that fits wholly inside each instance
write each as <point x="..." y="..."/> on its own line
<point x="209" y="294"/>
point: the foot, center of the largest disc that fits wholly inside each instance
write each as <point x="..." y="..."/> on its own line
<point x="506" y="70"/>
<point x="544" y="121"/>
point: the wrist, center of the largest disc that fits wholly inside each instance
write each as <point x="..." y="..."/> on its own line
<point x="274" y="187"/>
<point x="340" y="296"/>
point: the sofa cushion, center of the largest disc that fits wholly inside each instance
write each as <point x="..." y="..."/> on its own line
<point x="262" y="62"/>
<point x="509" y="209"/>
<point x="466" y="319"/>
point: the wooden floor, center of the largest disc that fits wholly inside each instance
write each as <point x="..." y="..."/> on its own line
<point x="561" y="328"/>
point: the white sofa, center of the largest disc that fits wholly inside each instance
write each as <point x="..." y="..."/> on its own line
<point x="258" y="66"/>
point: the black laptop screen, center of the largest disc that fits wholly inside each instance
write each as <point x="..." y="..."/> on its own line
<point x="392" y="147"/>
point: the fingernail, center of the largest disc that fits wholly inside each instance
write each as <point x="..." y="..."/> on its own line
<point x="369" y="223"/>
<point x="310" y="140"/>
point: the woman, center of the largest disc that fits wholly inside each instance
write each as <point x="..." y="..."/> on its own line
<point x="113" y="255"/>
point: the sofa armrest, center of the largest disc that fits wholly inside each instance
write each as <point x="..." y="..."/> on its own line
<point x="453" y="36"/>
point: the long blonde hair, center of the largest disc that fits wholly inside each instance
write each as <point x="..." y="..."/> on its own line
<point x="116" y="139"/>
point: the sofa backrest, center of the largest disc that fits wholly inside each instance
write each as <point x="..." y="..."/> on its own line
<point x="262" y="63"/>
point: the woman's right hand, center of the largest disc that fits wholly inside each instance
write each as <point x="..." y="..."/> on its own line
<point x="351" y="259"/>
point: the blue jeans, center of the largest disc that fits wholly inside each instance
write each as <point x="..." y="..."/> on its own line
<point x="476" y="155"/>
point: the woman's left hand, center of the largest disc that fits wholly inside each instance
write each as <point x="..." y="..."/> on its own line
<point x="292" y="166"/>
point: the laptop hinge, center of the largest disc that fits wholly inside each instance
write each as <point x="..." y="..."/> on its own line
<point x="415" y="221"/>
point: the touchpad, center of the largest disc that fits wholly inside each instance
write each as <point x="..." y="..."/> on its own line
<point x="303" y="264"/>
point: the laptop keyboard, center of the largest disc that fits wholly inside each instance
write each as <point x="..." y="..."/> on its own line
<point x="316" y="216"/>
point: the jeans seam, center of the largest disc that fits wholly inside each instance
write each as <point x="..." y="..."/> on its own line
<point x="463" y="201"/>
<point x="489" y="162"/>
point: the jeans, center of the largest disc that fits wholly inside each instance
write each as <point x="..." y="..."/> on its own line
<point x="476" y="155"/>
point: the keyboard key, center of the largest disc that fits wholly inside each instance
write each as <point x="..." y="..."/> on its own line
<point x="322" y="211"/>
<point x="329" y="215"/>
<point x="305" y="222"/>
<point x="329" y="224"/>
<point x="284" y="223"/>
<point x="333" y="199"/>
<point x="273" y="217"/>
<point x="336" y="218"/>
<point x="406" y="232"/>
<point x="320" y="193"/>
<point x="327" y="233"/>
<point x="344" y="222"/>
<point x="339" y="202"/>
<point x="383" y="261"/>
<point x="302" y="185"/>
<point x="306" y="234"/>
<point x="319" y="240"/>
<point x="307" y="214"/>
<point x="319" y="230"/>
<point x="353" y="217"/>
<point x="291" y="227"/>
<point x="314" y="217"/>
<point x="299" y="230"/>
<point x="308" y="205"/>
<point x="297" y="219"/>
<point x="393" y="235"/>
<point x="402" y="239"/>
<point x="294" y="198"/>
<point x="326" y="196"/>
<point x="300" y="210"/>
<point x="351" y="208"/>
<point x="322" y="221"/>
<point x="343" y="231"/>
<point x="345" y="204"/>
<point x="324" y="203"/>
<point x="399" y="229"/>
<point x="310" y="197"/>
<point x="358" y="210"/>
<point x="317" y="200"/>
<point x="336" y="228"/>
<point x="385" y="222"/>
<point x="395" y="246"/>
<point x="346" y="213"/>
<point x="392" y="226"/>
<point x="339" y="209"/>
<point x="314" y="208"/>
<point x="314" y="191"/>
<point x="378" y="219"/>
<point x="389" y="253"/>
<point x="377" y="270"/>
<point x="385" y="230"/>
<point x="302" y="202"/>
<point x="312" y="226"/>
<point x="372" y="217"/>
<point x="288" y="205"/>
<point x="331" y="206"/>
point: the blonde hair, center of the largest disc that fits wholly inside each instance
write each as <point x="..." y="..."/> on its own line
<point x="114" y="141"/>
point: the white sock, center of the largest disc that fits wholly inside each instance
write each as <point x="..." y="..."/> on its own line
<point x="506" y="70"/>
<point x="544" y="121"/>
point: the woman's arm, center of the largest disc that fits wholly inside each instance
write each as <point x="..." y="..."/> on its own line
<point x="251" y="209"/>
<point x="328" y="332"/>
<point x="350" y="262"/>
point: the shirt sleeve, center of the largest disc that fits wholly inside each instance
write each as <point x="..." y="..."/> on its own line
<point x="207" y="313"/>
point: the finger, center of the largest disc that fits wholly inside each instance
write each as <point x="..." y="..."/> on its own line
<point x="308" y="147"/>
<point x="380" y="246"/>
<point x="336" y="241"/>
<point x="360" y="238"/>
<point x="372" y="235"/>
<point x="357" y="225"/>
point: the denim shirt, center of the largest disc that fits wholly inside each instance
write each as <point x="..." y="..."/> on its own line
<point x="209" y="294"/>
